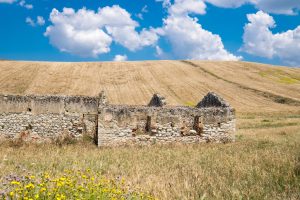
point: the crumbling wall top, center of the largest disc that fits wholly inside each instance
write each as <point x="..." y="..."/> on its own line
<point x="103" y="98"/>
<point x="157" y="101"/>
<point x="212" y="100"/>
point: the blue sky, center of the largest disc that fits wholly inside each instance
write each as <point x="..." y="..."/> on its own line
<point x="265" y="31"/>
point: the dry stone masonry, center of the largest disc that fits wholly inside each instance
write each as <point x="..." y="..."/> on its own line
<point x="44" y="118"/>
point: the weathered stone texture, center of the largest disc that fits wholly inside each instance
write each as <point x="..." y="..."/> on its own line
<point x="127" y="124"/>
<point x="212" y="100"/>
<point x="157" y="101"/>
<point x="41" y="126"/>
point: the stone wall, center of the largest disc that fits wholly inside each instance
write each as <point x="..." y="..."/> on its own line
<point x="39" y="127"/>
<point x="43" y="118"/>
<point x="119" y="125"/>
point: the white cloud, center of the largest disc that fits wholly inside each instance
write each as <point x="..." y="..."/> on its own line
<point x="30" y="21"/>
<point x="120" y="58"/>
<point x="22" y="3"/>
<point x="129" y="38"/>
<point x="122" y="29"/>
<point x="140" y="16"/>
<point x="87" y="33"/>
<point x="166" y="3"/>
<point x="25" y="5"/>
<point x="190" y="41"/>
<point x="161" y="54"/>
<point x="7" y="1"/>
<point x="78" y="32"/>
<point x="187" y="37"/>
<point x="227" y="3"/>
<point x="39" y="21"/>
<point x="143" y="10"/>
<point x="260" y="41"/>
<point x="159" y="51"/>
<point x="288" y="7"/>
<point x="183" y="7"/>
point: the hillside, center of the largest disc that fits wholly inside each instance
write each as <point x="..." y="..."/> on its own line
<point x="249" y="87"/>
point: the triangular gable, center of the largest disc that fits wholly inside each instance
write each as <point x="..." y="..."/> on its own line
<point x="212" y="100"/>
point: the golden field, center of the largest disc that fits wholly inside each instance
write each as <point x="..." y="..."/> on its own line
<point x="263" y="163"/>
<point x="246" y="86"/>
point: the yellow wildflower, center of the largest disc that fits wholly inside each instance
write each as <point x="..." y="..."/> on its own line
<point x="59" y="184"/>
<point x="29" y="186"/>
<point x="15" y="183"/>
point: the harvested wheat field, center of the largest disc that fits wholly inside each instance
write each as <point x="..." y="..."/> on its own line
<point x="247" y="86"/>
<point x="263" y="163"/>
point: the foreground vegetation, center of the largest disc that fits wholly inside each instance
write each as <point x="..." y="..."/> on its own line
<point x="80" y="184"/>
<point x="264" y="163"/>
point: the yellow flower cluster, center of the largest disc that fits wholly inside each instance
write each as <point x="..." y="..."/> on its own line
<point x="73" y="184"/>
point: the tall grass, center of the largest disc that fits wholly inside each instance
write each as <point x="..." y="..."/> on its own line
<point x="262" y="164"/>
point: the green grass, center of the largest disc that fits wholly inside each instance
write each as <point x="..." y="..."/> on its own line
<point x="288" y="80"/>
<point x="280" y="76"/>
<point x="267" y="124"/>
<point x="190" y="104"/>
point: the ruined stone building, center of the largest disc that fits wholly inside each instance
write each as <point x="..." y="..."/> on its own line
<point x="42" y="118"/>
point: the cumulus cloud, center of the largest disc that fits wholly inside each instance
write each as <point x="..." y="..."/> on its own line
<point x="259" y="40"/>
<point x="187" y="37"/>
<point x="288" y="7"/>
<point x="129" y="38"/>
<point x="122" y="29"/>
<point x="78" y="32"/>
<point x="190" y="41"/>
<point x="88" y="34"/>
<point x="120" y="58"/>
<point x="227" y="3"/>
<point x="184" y="7"/>
<point x="39" y="21"/>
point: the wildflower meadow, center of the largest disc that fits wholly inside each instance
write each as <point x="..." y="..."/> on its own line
<point x="78" y="184"/>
